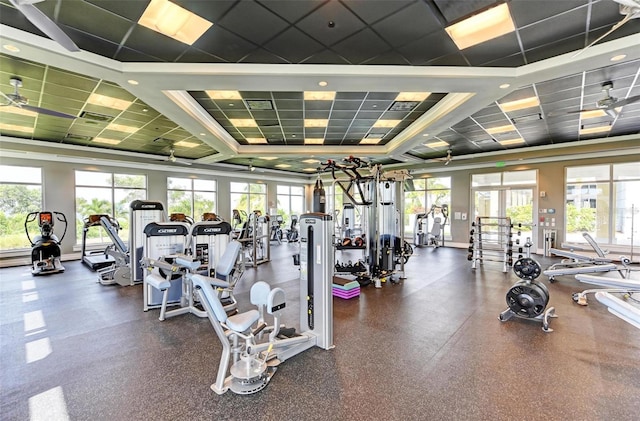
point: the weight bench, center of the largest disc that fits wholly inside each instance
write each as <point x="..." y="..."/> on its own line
<point x="613" y="285"/>
<point x="576" y="263"/>
<point x="620" y="308"/>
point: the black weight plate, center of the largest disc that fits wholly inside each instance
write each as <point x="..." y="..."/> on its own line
<point x="527" y="300"/>
<point x="527" y="268"/>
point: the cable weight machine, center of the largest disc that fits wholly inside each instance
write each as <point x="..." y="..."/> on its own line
<point x="382" y="239"/>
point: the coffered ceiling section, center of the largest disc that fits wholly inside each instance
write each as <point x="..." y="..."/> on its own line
<point x="275" y="83"/>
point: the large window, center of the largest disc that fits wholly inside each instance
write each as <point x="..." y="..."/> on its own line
<point x="106" y="193"/>
<point x="602" y="200"/>
<point x="248" y="197"/>
<point x="20" y="194"/>
<point x="290" y="201"/>
<point x="426" y="192"/>
<point x="192" y="197"/>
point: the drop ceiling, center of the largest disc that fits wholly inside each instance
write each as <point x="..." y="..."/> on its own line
<point x="367" y="52"/>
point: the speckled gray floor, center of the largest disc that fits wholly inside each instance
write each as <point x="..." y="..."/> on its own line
<point x="429" y="348"/>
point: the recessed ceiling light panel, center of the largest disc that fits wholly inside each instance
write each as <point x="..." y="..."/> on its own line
<point x="482" y="27"/>
<point x="174" y="21"/>
<point x="520" y="104"/>
<point x="319" y="95"/>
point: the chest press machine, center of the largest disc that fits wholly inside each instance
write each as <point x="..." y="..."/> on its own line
<point x="247" y="364"/>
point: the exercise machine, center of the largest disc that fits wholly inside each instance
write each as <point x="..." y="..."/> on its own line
<point x="528" y="298"/>
<point x="623" y="286"/>
<point x="292" y="233"/>
<point x="254" y="237"/>
<point x="620" y="308"/>
<point x="211" y="243"/>
<point x="183" y="267"/>
<point x="96" y="260"/>
<point x="577" y="263"/>
<point x="119" y="271"/>
<point x="248" y="364"/>
<point x="162" y="240"/>
<point x="45" y="247"/>
<point x="180" y="217"/>
<point x="141" y="213"/>
<point x="276" y="233"/>
<point x="376" y="192"/>
<point x="431" y="236"/>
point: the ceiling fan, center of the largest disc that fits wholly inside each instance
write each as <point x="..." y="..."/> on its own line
<point x="447" y="159"/>
<point x="172" y="158"/>
<point x="44" y="23"/>
<point x="629" y="8"/>
<point x="16" y="100"/>
<point x="609" y="104"/>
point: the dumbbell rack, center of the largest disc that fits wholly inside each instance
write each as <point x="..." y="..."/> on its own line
<point x="491" y="240"/>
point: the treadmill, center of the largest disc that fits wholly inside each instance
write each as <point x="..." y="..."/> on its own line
<point x="96" y="259"/>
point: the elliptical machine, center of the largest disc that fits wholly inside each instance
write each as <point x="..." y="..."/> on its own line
<point x="45" y="248"/>
<point x="528" y="298"/>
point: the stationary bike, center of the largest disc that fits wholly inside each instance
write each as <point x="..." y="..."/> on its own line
<point x="45" y="248"/>
<point x="528" y="298"/>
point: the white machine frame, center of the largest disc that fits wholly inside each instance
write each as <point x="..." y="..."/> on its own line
<point x="247" y="368"/>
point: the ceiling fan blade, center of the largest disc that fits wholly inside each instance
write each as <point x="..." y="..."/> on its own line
<point x="625" y="101"/>
<point x="46" y="111"/>
<point x="45" y="24"/>
<point x="629" y="3"/>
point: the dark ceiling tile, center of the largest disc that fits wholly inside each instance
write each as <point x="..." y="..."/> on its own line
<point x="262" y="56"/>
<point x="155" y="44"/>
<point x="291" y="11"/>
<point x="252" y="21"/>
<point x="564" y="26"/>
<point x="70" y="80"/>
<point x="289" y="105"/>
<point x="453" y="59"/>
<point x="492" y="50"/>
<point x="222" y="43"/>
<point x="407" y="25"/>
<point x="293" y="45"/>
<point x="513" y="60"/>
<point x="388" y="58"/>
<point x="372" y="11"/>
<point x="454" y="10"/>
<point x="209" y="10"/>
<point x="317" y="25"/>
<point x="326" y="57"/>
<point x="194" y="55"/>
<point x="555" y="48"/>
<point x="90" y="43"/>
<point x="131" y="10"/>
<point x="11" y="17"/>
<point x="428" y="48"/>
<point x="128" y="55"/>
<point x="111" y="28"/>
<point x="528" y="12"/>
<point x="605" y="14"/>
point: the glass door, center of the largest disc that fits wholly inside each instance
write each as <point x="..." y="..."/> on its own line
<point x="515" y="203"/>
